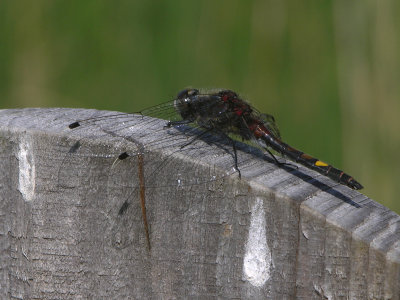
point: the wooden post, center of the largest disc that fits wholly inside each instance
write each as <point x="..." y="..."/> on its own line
<point x="276" y="233"/>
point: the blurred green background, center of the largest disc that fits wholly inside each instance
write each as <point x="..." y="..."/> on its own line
<point x="327" y="70"/>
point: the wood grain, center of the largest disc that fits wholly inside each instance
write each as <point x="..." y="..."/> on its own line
<point x="276" y="233"/>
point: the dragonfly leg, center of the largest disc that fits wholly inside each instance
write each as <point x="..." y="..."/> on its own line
<point x="235" y="158"/>
<point x="280" y="163"/>
<point x="273" y="156"/>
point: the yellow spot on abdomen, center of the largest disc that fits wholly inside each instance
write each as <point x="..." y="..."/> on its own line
<point x="319" y="163"/>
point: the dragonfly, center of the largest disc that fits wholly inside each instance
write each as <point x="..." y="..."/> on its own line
<point x="226" y="116"/>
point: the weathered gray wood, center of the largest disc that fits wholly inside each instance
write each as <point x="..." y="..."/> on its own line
<point x="274" y="234"/>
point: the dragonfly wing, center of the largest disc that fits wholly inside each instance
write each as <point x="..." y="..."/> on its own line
<point x="269" y="122"/>
<point x="138" y="134"/>
<point x="165" y="111"/>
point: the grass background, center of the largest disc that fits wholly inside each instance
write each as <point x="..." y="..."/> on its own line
<point x="327" y="70"/>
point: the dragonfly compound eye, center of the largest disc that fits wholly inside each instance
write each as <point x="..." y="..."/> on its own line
<point x="187" y="93"/>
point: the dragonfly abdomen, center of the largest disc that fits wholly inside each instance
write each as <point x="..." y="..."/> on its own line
<point x="312" y="162"/>
<point x="329" y="171"/>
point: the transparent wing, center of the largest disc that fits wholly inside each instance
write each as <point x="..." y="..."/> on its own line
<point x="269" y="122"/>
<point x="135" y="135"/>
<point x="118" y="149"/>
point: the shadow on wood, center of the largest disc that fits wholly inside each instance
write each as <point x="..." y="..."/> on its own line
<point x="275" y="233"/>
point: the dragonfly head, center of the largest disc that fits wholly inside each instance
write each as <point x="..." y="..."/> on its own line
<point x="183" y="102"/>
